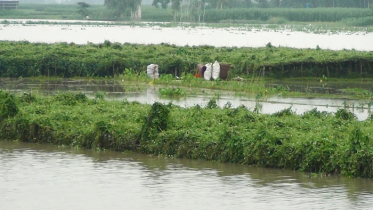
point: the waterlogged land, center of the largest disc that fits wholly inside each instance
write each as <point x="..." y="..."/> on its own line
<point x="267" y="97"/>
<point x="315" y="141"/>
<point x="241" y="35"/>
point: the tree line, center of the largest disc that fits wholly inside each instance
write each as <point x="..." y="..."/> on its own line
<point x="224" y="4"/>
<point x="196" y="9"/>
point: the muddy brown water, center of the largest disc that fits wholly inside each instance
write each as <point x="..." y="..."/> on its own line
<point x="44" y="177"/>
<point x="144" y="93"/>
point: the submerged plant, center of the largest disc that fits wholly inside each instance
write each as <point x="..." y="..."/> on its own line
<point x="172" y="92"/>
<point x="99" y="95"/>
<point x="212" y="104"/>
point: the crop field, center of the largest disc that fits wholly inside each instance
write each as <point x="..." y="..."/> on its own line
<point x="109" y="59"/>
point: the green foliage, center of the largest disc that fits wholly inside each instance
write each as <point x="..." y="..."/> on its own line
<point x="70" y="98"/>
<point x="233" y="11"/>
<point x="129" y="61"/>
<point x="155" y="122"/>
<point x="27" y="97"/>
<point x="359" y="21"/>
<point x="99" y="96"/>
<point x="344" y="114"/>
<point x="172" y="92"/>
<point x="315" y="113"/>
<point x="277" y="20"/>
<point x="212" y="104"/>
<point x="316" y="142"/>
<point x="83" y="9"/>
<point x="121" y="7"/>
<point x="8" y="106"/>
<point x="285" y="112"/>
<point x="283" y="14"/>
<point x="359" y="155"/>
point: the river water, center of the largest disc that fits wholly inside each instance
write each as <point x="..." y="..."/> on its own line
<point x="144" y="93"/>
<point x="183" y="35"/>
<point x="38" y="177"/>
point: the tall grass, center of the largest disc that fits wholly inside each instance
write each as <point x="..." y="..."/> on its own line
<point x="361" y="21"/>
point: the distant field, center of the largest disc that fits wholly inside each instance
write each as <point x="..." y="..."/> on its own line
<point x="344" y="16"/>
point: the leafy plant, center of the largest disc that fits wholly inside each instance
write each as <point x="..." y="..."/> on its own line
<point x="172" y="92"/>
<point x="8" y="106"/>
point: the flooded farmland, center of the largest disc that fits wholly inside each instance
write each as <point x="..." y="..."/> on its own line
<point x="37" y="177"/>
<point x="184" y="35"/>
<point x="144" y="93"/>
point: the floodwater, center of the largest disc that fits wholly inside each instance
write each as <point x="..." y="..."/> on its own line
<point x="44" y="177"/>
<point x="183" y="35"/>
<point x="144" y="93"/>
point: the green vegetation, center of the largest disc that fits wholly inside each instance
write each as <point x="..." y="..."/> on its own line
<point x="112" y="59"/>
<point x="83" y="9"/>
<point x="56" y="11"/>
<point x="316" y="141"/>
<point x="343" y="16"/>
<point x="172" y="92"/>
<point x="299" y="15"/>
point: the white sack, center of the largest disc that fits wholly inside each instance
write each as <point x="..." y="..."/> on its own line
<point x="152" y="71"/>
<point x="215" y="70"/>
<point x="208" y="72"/>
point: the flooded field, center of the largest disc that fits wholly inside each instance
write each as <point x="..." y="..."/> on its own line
<point x="38" y="177"/>
<point x="219" y="37"/>
<point x="144" y="93"/>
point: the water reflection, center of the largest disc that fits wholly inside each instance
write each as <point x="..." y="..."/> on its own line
<point x="48" y="177"/>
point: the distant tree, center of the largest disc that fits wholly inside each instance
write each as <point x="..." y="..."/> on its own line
<point x="122" y="7"/>
<point x="162" y="3"/>
<point x="275" y="3"/>
<point x="242" y="3"/>
<point x="263" y="3"/>
<point x="83" y="9"/>
<point x="135" y="8"/>
<point x="175" y="6"/>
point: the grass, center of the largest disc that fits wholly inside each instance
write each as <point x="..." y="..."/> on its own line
<point x="316" y="142"/>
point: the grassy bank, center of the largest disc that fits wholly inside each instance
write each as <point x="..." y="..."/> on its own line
<point x="315" y="141"/>
<point x="109" y="59"/>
